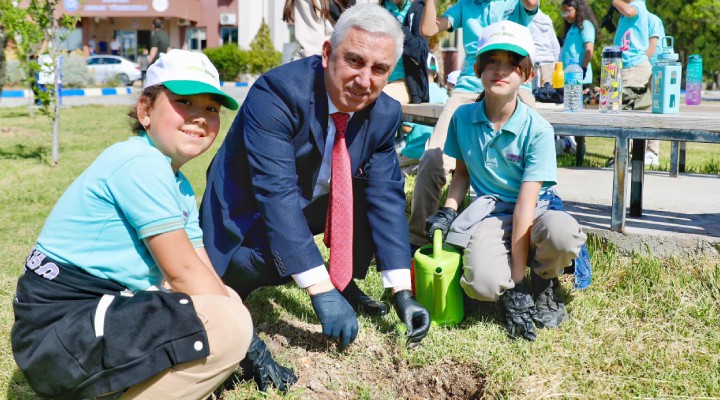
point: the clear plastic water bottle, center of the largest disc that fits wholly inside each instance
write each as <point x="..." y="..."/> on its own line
<point x="573" y="100"/>
<point x="693" y="80"/>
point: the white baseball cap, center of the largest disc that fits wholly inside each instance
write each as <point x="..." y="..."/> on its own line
<point x="508" y="36"/>
<point x="187" y="73"/>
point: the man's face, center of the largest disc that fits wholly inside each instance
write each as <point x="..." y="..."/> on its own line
<point x="358" y="69"/>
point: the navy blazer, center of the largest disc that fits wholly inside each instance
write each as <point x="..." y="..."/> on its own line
<point x="266" y="169"/>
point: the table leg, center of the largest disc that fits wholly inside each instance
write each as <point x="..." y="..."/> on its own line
<point x="681" y="157"/>
<point x="637" y="177"/>
<point x="675" y="145"/>
<point x="579" y="151"/>
<point x="617" y="218"/>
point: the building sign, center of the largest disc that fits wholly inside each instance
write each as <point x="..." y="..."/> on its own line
<point x="187" y="9"/>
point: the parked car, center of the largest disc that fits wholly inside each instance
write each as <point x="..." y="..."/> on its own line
<point x="106" y="67"/>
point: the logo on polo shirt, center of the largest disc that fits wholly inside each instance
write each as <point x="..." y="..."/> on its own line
<point x="516" y="158"/>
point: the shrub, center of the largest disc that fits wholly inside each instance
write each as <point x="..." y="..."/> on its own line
<point x="263" y="56"/>
<point x="229" y="61"/>
<point x="74" y="71"/>
<point x="14" y="76"/>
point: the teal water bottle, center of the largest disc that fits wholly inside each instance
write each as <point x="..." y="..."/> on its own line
<point x="693" y="80"/>
<point x="666" y="74"/>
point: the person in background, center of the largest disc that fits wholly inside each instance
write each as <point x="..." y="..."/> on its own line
<point x="115" y="46"/>
<point x="312" y="150"/>
<point x="159" y="41"/>
<point x="636" y="70"/>
<point x="473" y="16"/>
<point x="313" y="21"/>
<point x="102" y="46"/>
<point x="143" y="63"/>
<point x="504" y="150"/>
<point x="408" y="82"/>
<point x="581" y="30"/>
<point x="118" y="298"/>
<point x="547" y="47"/>
<point x="656" y="31"/>
<point x="92" y="44"/>
<point x="415" y="135"/>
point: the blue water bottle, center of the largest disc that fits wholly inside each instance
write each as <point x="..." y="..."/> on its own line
<point x="666" y="74"/>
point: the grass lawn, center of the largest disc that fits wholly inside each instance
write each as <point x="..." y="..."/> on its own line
<point x="645" y="328"/>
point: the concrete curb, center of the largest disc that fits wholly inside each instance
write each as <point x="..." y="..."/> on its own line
<point x="91" y="92"/>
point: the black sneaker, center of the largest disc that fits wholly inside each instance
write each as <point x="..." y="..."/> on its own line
<point x="549" y="305"/>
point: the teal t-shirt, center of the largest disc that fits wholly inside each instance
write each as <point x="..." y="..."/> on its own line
<point x="499" y="162"/>
<point x="415" y="140"/>
<point x="574" y="47"/>
<point x="473" y="16"/>
<point x="655" y="29"/>
<point x="399" y="71"/>
<point x="127" y="194"/>
<point x="639" y="38"/>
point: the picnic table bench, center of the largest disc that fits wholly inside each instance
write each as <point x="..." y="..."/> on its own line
<point x="686" y="126"/>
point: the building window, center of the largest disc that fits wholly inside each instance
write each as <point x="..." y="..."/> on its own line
<point x="228" y="34"/>
<point x="195" y="39"/>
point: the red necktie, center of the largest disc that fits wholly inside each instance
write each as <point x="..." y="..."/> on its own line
<point x="339" y="222"/>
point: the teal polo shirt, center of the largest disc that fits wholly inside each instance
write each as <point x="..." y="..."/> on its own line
<point x="574" y="47"/>
<point x="639" y="37"/>
<point x="127" y="194"/>
<point x="399" y="71"/>
<point x="473" y="16"/>
<point x="499" y="162"/>
<point x="655" y="29"/>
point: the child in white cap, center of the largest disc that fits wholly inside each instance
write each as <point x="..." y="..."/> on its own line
<point x="118" y="297"/>
<point x="505" y="150"/>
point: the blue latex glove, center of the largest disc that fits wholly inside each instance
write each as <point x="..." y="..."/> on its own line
<point x="413" y="314"/>
<point x="336" y="316"/>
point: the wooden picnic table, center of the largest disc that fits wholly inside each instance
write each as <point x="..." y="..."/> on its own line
<point x="686" y="126"/>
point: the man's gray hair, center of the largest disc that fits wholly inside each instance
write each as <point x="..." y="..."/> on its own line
<point x="371" y="18"/>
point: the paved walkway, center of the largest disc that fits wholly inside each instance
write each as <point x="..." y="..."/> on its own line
<point x="681" y="216"/>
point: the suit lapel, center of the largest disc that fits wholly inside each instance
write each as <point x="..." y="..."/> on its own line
<point x="318" y="125"/>
<point x="356" y="135"/>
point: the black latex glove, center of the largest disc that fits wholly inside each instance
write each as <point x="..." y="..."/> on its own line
<point x="442" y="220"/>
<point x="584" y="72"/>
<point x="413" y="314"/>
<point x="336" y="316"/>
<point x="520" y="314"/>
<point x="266" y="372"/>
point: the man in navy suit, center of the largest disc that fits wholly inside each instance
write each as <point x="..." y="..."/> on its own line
<point x="267" y="189"/>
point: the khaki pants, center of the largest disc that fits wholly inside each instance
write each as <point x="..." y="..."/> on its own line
<point x="398" y="91"/>
<point x="229" y="329"/>
<point x="435" y="165"/>
<point x="555" y="240"/>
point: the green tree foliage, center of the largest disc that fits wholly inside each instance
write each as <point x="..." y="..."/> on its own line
<point x="694" y="25"/>
<point x="229" y="60"/>
<point x="263" y="55"/>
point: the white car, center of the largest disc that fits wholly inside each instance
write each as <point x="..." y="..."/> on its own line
<point x="106" y="67"/>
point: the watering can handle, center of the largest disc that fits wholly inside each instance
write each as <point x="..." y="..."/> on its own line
<point x="437" y="243"/>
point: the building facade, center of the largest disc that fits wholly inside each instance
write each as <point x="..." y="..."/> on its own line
<point x="190" y="24"/>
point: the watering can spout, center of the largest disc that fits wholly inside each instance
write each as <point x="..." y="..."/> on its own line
<point x="439" y="303"/>
<point x="437" y="243"/>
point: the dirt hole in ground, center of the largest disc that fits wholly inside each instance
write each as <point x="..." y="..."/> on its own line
<point x="445" y="380"/>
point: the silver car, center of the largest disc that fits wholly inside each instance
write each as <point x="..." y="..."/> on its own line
<point x="106" y="67"/>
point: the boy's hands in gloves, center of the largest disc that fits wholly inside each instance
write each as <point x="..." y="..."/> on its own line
<point x="520" y="314"/>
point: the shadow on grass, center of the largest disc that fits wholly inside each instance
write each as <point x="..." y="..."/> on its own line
<point x="18" y="388"/>
<point x="22" y="151"/>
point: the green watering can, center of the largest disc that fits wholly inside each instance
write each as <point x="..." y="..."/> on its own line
<point x="437" y="281"/>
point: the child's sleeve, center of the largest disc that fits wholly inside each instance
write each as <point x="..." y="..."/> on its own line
<point x="588" y="32"/>
<point x="540" y="159"/>
<point x="452" y="147"/>
<point x="146" y="194"/>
